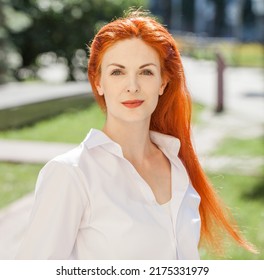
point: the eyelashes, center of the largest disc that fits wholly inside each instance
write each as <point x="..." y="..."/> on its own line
<point x="145" y="72"/>
<point x="116" y="72"/>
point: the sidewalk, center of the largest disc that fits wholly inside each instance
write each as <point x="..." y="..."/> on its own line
<point x="18" y="151"/>
<point x="243" y="118"/>
<point x="243" y="88"/>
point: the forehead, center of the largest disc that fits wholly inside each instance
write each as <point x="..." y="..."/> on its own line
<point x="130" y="51"/>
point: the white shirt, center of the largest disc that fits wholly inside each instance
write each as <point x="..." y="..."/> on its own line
<point x="91" y="203"/>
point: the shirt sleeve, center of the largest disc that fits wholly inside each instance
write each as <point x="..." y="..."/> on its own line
<point x="59" y="205"/>
<point x="189" y="226"/>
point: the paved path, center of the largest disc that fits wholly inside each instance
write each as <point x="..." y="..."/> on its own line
<point x="243" y="88"/>
<point x="244" y="118"/>
<point x="31" y="151"/>
<point x="15" y="94"/>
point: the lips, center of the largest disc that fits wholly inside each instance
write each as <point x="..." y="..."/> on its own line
<point x="132" y="103"/>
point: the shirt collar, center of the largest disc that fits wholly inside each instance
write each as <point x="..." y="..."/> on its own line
<point x="96" y="138"/>
<point x="168" y="144"/>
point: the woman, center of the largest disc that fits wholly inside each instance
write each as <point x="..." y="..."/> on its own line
<point x="132" y="190"/>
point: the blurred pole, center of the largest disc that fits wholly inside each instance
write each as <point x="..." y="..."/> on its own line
<point x="220" y="83"/>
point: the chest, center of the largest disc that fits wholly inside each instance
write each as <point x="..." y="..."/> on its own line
<point x="158" y="177"/>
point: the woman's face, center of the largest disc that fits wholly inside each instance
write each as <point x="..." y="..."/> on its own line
<point x="130" y="81"/>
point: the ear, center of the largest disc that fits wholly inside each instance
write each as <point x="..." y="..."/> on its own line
<point x="99" y="89"/>
<point x="163" y="86"/>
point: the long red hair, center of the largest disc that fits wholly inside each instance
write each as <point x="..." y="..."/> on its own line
<point x="172" y="115"/>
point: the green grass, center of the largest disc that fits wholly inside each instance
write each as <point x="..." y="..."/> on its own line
<point x="239" y="55"/>
<point x="250" y="54"/>
<point x="240" y="147"/>
<point x="69" y="127"/>
<point x="197" y="110"/>
<point x="234" y="53"/>
<point x="244" y="195"/>
<point x="16" y="180"/>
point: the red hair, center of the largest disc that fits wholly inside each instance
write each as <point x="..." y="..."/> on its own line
<point x="172" y="115"/>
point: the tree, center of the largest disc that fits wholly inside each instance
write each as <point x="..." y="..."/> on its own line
<point x="3" y="64"/>
<point x="61" y="26"/>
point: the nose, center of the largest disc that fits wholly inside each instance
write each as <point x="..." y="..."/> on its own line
<point x="132" y="85"/>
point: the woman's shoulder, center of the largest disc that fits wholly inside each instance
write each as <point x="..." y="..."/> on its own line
<point x="81" y="155"/>
<point x="73" y="156"/>
<point x="63" y="165"/>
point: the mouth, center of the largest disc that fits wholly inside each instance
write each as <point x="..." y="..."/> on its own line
<point x="132" y="103"/>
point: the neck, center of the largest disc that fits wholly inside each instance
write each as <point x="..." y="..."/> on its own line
<point x="133" y="138"/>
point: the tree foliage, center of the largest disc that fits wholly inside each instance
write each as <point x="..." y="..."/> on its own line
<point x="59" y="26"/>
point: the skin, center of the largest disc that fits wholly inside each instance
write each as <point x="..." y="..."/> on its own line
<point x="131" y="84"/>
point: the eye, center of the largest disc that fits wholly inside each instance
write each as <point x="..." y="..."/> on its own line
<point x="116" y="72"/>
<point x="146" y="72"/>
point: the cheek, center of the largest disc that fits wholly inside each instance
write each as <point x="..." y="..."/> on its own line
<point x="153" y="87"/>
<point x="113" y="87"/>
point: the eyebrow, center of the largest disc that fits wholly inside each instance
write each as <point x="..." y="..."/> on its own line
<point x="118" y="65"/>
<point x="123" y="67"/>
<point x="148" y="64"/>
